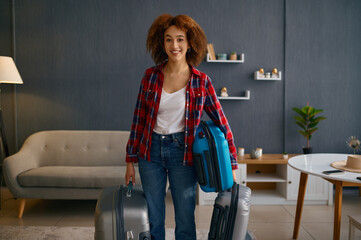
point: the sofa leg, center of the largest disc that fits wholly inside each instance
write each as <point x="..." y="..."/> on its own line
<point x="21" y="207"/>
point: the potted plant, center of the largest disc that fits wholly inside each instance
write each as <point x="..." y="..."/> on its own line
<point x="285" y="155"/>
<point x="308" y="121"/>
<point x="233" y="56"/>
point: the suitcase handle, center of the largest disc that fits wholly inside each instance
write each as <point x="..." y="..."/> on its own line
<point x="130" y="188"/>
<point x="199" y="165"/>
<point x="233" y="210"/>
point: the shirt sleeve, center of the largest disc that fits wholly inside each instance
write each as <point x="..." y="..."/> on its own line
<point x="139" y="119"/>
<point x="214" y="110"/>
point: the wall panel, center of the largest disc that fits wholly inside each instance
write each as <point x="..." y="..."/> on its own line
<point x="82" y="62"/>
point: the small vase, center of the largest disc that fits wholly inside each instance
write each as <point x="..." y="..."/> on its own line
<point x="307" y="150"/>
<point x="255" y="154"/>
<point x="222" y="56"/>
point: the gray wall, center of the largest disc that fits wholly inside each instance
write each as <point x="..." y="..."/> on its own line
<point x="82" y="62"/>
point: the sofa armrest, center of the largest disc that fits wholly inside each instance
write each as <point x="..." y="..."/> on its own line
<point x="16" y="164"/>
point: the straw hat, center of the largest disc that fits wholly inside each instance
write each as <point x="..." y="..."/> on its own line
<point x="352" y="164"/>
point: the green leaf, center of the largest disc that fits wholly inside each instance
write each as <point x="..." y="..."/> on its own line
<point x="305" y="110"/>
<point x="299" y="111"/>
<point x="301" y="125"/>
<point x="315" y="111"/>
<point x="319" y="119"/>
<point x="300" y="119"/>
<point x="305" y="134"/>
<point x="312" y="125"/>
<point x="311" y="131"/>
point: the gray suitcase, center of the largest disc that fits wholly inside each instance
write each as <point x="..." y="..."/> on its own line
<point x="230" y="214"/>
<point x="121" y="213"/>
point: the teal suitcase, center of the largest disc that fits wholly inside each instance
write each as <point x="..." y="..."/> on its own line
<point x="211" y="158"/>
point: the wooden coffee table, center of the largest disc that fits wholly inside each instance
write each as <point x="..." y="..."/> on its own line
<point x="315" y="164"/>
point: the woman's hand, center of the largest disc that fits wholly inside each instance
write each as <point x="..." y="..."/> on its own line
<point x="130" y="173"/>
<point x="234" y="175"/>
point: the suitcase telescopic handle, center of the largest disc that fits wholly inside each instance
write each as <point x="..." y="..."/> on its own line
<point x="130" y="188"/>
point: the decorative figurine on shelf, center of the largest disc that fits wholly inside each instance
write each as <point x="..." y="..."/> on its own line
<point x="233" y="56"/>
<point x="268" y="75"/>
<point x="274" y="73"/>
<point x="354" y="143"/>
<point x="255" y="154"/>
<point x="261" y="72"/>
<point x="224" y="92"/>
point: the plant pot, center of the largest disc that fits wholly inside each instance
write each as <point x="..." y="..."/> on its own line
<point x="307" y="150"/>
<point x="285" y="156"/>
<point x="233" y="57"/>
<point x="255" y="154"/>
<point x="222" y="56"/>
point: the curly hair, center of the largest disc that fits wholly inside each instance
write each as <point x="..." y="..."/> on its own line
<point x="196" y="37"/>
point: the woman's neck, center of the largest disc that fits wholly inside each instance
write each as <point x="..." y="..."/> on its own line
<point x="176" y="67"/>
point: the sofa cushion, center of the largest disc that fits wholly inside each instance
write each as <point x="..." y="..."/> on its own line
<point x="78" y="148"/>
<point x="72" y="176"/>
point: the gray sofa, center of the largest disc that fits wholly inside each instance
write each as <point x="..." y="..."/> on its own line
<point x="67" y="165"/>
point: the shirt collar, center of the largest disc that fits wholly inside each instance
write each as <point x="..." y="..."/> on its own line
<point x="193" y="69"/>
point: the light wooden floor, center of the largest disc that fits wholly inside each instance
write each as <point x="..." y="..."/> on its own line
<point x="266" y="221"/>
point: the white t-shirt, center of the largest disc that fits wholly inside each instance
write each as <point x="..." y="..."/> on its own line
<point x="171" y="112"/>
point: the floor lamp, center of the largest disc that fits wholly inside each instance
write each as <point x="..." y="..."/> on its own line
<point x="8" y="74"/>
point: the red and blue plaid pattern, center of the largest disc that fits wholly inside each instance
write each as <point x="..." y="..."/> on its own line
<point x="200" y="95"/>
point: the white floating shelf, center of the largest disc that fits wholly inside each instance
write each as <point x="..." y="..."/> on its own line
<point x="258" y="76"/>
<point x="246" y="97"/>
<point x="241" y="60"/>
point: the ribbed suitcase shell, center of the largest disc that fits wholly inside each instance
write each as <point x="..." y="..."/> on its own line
<point x="221" y="218"/>
<point x="214" y="171"/>
<point x="120" y="216"/>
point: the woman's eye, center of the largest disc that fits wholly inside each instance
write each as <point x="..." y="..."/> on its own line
<point x="180" y="39"/>
<point x="168" y="40"/>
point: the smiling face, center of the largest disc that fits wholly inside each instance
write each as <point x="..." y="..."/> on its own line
<point x="175" y="44"/>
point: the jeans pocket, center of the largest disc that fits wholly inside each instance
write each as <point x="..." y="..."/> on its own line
<point x="180" y="141"/>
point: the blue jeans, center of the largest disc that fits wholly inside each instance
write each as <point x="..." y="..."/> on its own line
<point x="167" y="153"/>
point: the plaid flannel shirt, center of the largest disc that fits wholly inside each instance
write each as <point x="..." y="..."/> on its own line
<point x="200" y="95"/>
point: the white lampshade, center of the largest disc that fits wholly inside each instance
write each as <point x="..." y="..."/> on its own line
<point x="8" y="71"/>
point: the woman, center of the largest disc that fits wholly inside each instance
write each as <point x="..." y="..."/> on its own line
<point x="169" y="107"/>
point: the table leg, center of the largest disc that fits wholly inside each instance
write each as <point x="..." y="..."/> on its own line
<point x="351" y="233"/>
<point x="300" y="199"/>
<point x="338" y="207"/>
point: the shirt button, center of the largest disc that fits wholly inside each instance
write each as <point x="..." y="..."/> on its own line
<point x="186" y="145"/>
<point x="163" y="137"/>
